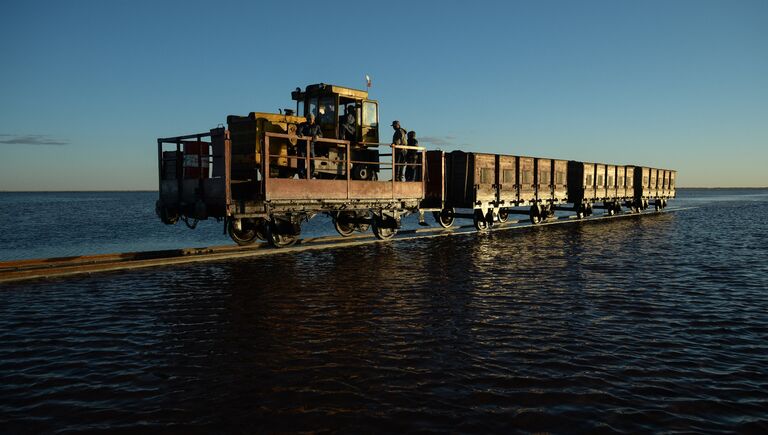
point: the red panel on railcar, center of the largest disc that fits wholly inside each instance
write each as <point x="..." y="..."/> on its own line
<point x="196" y="160"/>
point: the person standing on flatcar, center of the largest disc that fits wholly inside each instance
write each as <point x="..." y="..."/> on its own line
<point x="399" y="138"/>
<point x="311" y="129"/>
<point x="347" y="128"/>
<point x="412" y="171"/>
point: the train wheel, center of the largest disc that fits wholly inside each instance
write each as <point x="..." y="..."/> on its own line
<point x="581" y="211"/>
<point x="362" y="227"/>
<point x="445" y="217"/>
<point x="341" y="221"/>
<point x="278" y="239"/>
<point x="480" y="221"/>
<point x="503" y="215"/>
<point x="535" y="215"/>
<point x="167" y="216"/>
<point x="261" y="229"/>
<point x="246" y="235"/>
<point x="381" y="230"/>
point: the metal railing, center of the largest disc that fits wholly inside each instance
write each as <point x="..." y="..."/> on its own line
<point x="348" y="163"/>
<point x="346" y="145"/>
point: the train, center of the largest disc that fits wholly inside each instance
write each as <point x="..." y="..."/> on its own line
<point x="254" y="175"/>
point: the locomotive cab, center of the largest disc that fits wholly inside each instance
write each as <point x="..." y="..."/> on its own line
<point x="330" y="105"/>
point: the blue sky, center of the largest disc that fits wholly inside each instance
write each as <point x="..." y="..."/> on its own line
<point x="86" y="87"/>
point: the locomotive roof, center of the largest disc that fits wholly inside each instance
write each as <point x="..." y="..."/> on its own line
<point x="323" y="88"/>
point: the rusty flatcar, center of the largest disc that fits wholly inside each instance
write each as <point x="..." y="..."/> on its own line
<point x="256" y="174"/>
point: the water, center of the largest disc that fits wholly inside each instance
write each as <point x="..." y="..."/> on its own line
<point x="652" y="324"/>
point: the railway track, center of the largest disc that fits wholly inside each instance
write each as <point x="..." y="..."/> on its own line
<point x="20" y="270"/>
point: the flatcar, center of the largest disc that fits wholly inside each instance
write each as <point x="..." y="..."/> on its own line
<point x="257" y="176"/>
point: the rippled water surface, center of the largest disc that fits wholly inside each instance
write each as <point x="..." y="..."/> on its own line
<point x="644" y="324"/>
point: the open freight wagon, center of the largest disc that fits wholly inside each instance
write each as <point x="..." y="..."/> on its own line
<point x="490" y="187"/>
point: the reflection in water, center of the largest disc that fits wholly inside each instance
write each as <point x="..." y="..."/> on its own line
<point x="634" y="325"/>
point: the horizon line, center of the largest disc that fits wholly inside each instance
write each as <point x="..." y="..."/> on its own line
<point x="157" y="190"/>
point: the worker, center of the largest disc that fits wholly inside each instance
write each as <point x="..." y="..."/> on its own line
<point x="413" y="170"/>
<point x="399" y="138"/>
<point x="311" y="129"/>
<point x="347" y="128"/>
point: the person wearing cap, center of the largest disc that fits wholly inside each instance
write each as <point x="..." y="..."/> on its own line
<point x="399" y="138"/>
<point x="313" y="130"/>
<point x="347" y="127"/>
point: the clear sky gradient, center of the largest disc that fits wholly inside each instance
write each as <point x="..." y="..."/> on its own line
<point x="86" y="87"/>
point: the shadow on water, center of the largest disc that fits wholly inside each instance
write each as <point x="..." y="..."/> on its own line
<point x="633" y="325"/>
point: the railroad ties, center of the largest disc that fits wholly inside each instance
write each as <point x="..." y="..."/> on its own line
<point x="20" y="270"/>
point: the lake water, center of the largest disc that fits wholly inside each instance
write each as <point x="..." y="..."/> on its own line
<point x="644" y="324"/>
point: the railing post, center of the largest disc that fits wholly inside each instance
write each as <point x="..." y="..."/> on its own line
<point x="423" y="164"/>
<point x="179" y="171"/>
<point x="307" y="156"/>
<point x="349" y="166"/>
<point x="394" y="168"/>
<point x="227" y="169"/>
<point x="160" y="165"/>
<point x="265" y="164"/>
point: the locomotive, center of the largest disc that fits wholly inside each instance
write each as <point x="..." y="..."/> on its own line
<point x="253" y="175"/>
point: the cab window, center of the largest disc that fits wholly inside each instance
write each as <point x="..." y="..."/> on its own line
<point x="312" y="106"/>
<point x="370" y="114"/>
<point x="327" y="110"/>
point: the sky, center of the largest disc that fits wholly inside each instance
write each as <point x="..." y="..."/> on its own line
<point x="86" y="87"/>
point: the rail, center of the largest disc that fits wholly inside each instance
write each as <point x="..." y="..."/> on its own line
<point x="20" y="270"/>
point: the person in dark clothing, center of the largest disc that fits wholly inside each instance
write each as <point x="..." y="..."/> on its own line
<point x="311" y="129"/>
<point x="399" y="138"/>
<point x="347" y="130"/>
<point x="412" y="171"/>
